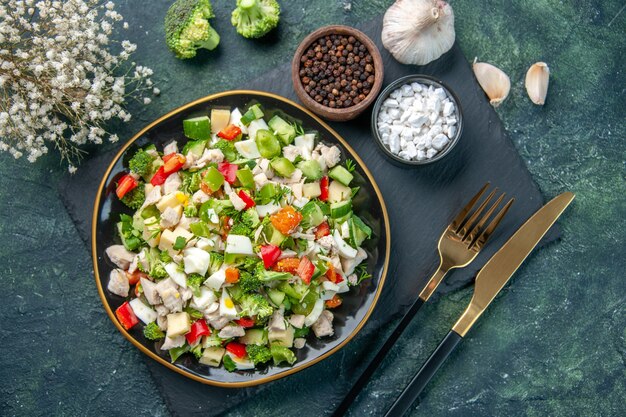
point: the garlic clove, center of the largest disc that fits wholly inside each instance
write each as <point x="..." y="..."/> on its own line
<point x="494" y="82"/>
<point x="537" y="79"/>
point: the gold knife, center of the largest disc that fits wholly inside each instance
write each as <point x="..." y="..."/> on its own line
<point x="489" y="281"/>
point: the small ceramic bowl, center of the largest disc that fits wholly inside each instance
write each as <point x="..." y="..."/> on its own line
<point x="329" y="113"/>
<point x="426" y="80"/>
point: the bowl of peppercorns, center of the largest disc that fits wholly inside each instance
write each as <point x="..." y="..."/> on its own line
<point x="337" y="72"/>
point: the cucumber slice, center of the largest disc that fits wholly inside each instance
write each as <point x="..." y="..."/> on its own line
<point x="311" y="169"/>
<point x="196" y="147"/>
<point x="282" y="129"/>
<point x="340" y="209"/>
<point x="197" y="128"/>
<point x="273" y="236"/>
<point x="253" y="113"/>
<point x="246" y="178"/>
<point x="276" y="296"/>
<point x="311" y="190"/>
<point x="359" y="231"/>
<point x="341" y="174"/>
<point x="312" y="215"/>
<point x="283" y="167"/>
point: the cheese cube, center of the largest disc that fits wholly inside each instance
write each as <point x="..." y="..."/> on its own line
<point x="178" y="324"/>
<point x="151" y="231"/>
<point x="168" y="239"/>
<point x="212" y="356"/>
<point x="170" y="200"/>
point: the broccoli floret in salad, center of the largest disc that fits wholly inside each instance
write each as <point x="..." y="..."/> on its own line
<point x="255" y="18"/>
<point x="249" y="282"/>
<point x="258" y="353"/>
<point x="255" y="304"/>
<point x="152" y="332"/>
<point x="141" y="163"/>
<point x="187" y="28"/>
<point x="282" y="354"/>
<point x="135" y="197"/>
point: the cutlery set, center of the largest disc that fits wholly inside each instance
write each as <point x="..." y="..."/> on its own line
<point x="458" y="246"/>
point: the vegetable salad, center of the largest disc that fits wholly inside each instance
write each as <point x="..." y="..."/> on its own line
<point x="241" y="242"/>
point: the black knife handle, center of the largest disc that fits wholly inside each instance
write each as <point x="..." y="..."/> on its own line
<point x="376" y="361"/>
<point x="420" y="380"/>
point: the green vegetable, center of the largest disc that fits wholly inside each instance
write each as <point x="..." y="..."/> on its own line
<point x="275" y="296"/>
<point x="217" y="259"/>
<point x="282" y="129"/>
<point x="194" y="281"/>
<point x="150" y="211"/>
<point x="187" y="27"/>
<point x="312" y="215"/>
<point x="359" y="231"/>
<point x="152" y="332"/>
<point x="282" y="354"/>
<point x="193" y="313"/>
<point x="165" y="257"/>
<point x="197" y="351"/>
<point x="306" y="305"/>
<point x="311" y="169"/>
<point x="175" y="353"/>
<point x="135" y="197"/>
<point x="267" y="276"/>
<point x="267" y="193"/>
<point x="228" y="149"/>
<point x="213" y="178"/>
<point x="246" y="178"/>
<point x="268" y="144"/>
<point x="258" y="353"/>
<point x="255" y="18"/>
<point x="180" y="243"/>
<point x="283" y="167"/>
<point x="250" y="218"/>
<point x="191" y="182"/>
<point x="190" y="211"/>
<point x="200" y="229"/>
<point x="255" y="304"/>
<point x="239" y="228"/>
<point x="131" y="237"/>
<point x="338" y="210"/>
<point x="341" y="174"/>
<point x="229" y="363"/>
<point x="253" y="113"/>
<point x="350" y="165"/>
<point x="141" y="163"/>
<point x="249" y="282"/>
<point x="197" y="128"/>
<point x="303" y="332"/>
<point x="254" y="337"/>
<point x="157" y="270"/>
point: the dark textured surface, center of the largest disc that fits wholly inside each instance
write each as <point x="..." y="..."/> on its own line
<point x="552" y="344"/>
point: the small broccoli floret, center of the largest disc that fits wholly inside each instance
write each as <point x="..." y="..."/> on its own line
<point x="135" y="197"/>
<point x="194" y="281"/>
<point x="152" y="332"/>
<point x="258" y="353"/>
<point x="249" y="282"/>
<point x="251" y="218"/>
<point x="217" y="259"/>
<point x="187" y="27"/>
<point x="255" y="305"/>
<point x="228" y="149"/>
<point x="141" y="163"/>
<point x="254" y="18"/>
<point x="191" y="182"/>
<point x="282" y="354"/>
<point x="157" y="270"/>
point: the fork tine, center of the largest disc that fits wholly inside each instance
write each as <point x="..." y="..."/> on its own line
<point x="471" y="234"/>
<point x="480" y="241"/>
<point x="464" y="230"/>
<point x="458" y="220"/>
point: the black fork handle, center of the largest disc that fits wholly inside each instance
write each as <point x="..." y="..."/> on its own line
<point x="376" y="361"/>
<point x="421" y="379"/>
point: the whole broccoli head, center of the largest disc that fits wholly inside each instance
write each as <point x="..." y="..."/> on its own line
<point x="258" y="353"/>
<point x="255" y="305"/>
<point x="135" y="197"/>
<point x="254" y="18"/>
<point x="187" y="27"/>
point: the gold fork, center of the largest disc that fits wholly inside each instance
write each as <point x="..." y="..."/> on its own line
<point x="459" y="245"/>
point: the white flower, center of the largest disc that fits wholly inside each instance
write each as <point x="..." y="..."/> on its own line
<point x="62" y="82"/>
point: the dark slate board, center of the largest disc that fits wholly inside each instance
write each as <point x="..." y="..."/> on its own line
<point x="421" y="202"/>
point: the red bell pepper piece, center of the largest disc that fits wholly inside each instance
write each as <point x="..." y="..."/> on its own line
<point x="334" y="302"/>
<point x="126" y="316"/>
<point x="230" y="132"/>
<point x="324" y="189"/>
<point x="173" y="162"/>
<point x="135" y="276"/>
<point x="246" y="199"/>
<point x="245" y="322"/>
<point x="198" y="329"/>
<point x="306" y="270"/>
<point x="236" y="349"/>
<point x="270" y="254"/>
<point x="126" y="184"/>
<point x="322" y="230"/>
<point x="228" y="170"/>
<point x="159" y="177"/>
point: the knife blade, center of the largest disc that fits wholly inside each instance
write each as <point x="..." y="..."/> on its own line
<point x="489" y="281"/>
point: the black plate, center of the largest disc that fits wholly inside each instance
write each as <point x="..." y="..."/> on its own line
<point x="368" y="204"/>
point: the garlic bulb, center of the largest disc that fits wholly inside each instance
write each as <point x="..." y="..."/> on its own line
<point x="494" y="82"/>
<point x="537" y="79"/>
<point x="418" y="31"/>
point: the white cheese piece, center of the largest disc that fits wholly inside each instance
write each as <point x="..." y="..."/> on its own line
<point x="178" y="324"/>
